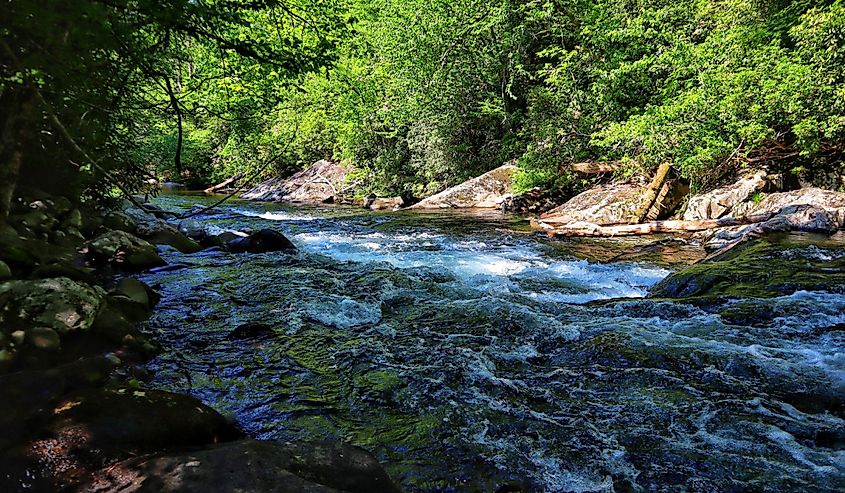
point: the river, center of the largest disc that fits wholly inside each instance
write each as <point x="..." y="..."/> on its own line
<point x="470" y="355"/>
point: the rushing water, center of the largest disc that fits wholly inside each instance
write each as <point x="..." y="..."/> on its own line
<point x="468" y="355"/>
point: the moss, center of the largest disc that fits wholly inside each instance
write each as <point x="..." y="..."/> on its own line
<point x="763" y="268"/>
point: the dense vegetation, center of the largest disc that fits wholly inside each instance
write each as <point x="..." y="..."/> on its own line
<point x="420" y="94"/>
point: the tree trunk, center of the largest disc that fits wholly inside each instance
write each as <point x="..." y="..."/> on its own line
<point x="18" y="105"/>
<point x="177" y="160"/>
<point x="651" y="193"/>
<point x="224" y="184"/>
<point x="656" y="227"/>
<point x="592" y="168"/>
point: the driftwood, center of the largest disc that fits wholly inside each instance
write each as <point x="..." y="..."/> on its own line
<point x="655" y="227"/>
<point x="592" y="168"/>
<point x="224" y="184"/>
<point x="651" y="192"/>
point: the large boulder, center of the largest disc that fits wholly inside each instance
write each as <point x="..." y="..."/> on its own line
<point x="806" y="209"/>
<point x="159" y="231"/>
<point x="123" y="250"/>
<point x="263" y="241"/>
<point x="250" y="465"/>
<point x="487" y="191"/>
<point x="722" y="201"/>
<point x="319" y="183"/>
<point x="603" y="204"/>
<point x="36" y="314"/>
<point x="383" y="203"/>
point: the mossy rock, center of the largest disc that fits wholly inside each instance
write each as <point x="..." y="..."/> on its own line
<point x="763" y="268"/>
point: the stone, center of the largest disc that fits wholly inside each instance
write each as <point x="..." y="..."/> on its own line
<point x="721" y="201"/>
<point x="251" y="465"/>
<point x="193" y="229"/>
<point x="487" y="191"/>
<point x="135" y="290"/>
<point x="316" y="184"/>
<point x="263" y="241"/>
<point x="250" y="330"/>
<point x="73" y="219"/>
<point x="603" y="205"/>
<point x="43" y="338"/>
<point x="123" y="250"/>
<point x="159" y="231"/>
<point x="119" y="221"/>
<point x="382" y="203"/>
<point x="59" y="304"/>
<point x="5" y="271"/>
<point x="18" y="337"/>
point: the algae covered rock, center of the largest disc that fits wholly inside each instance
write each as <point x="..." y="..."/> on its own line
<point x="766" y="267"/>
<point x="59" y="304"/>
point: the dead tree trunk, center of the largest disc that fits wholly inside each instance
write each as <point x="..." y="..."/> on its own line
<point x="174" y="102"/>
<point x="224" y="184"/>
<point x="651" y="193"/>
<point x="656" y="227"/>
<point x="18" y="106"/>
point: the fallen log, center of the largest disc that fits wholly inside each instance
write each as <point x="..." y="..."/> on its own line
<point x="654" y="227"/>
<point x="592" y="168"/>
<point x="224" y="184"/>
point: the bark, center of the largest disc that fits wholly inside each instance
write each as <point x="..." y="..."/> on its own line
<point x="656" y="227"/>
<point x="18" y="106"/>
<point x="591" y="168"/>
<point x="177" y="160"/>
<point x="224" y="184"/>
<point x="651" y="192"/>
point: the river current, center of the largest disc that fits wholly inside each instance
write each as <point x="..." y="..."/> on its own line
<point x="470" y="355"/>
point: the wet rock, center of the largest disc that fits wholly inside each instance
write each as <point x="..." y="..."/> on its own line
<point x="249" y="465"/>
<point x="92" y="428"/>
<point x="134" y="299"/>
<point x="486" y="191"/>
<point x="763" y="268"/>
<point x="124" y="250"/>
<point x="721" y="201"/>
<point x="5" y="271"/>
<point x="263" y="241"/>
<point x="249" y="330"/>
<point x="159" y="231"/>
<point x="193" y="229"/>
<point x="221" y="240"/>
<point x="316" y="184"/>
<point x="64" y="269"/>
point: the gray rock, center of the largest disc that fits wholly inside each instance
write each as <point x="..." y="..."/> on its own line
<point x="721" y="201"/>
<point x="124" y="250"/>
<point x="60" y="304"/>
<point x="487" y="191"/>
<point x="159" y="231"/>
<point x="263" y="241"/>
<point x="250" y="465"/>
<point x="384" y="204"/>
<point x="119" y="221"/>
<point x="316" y="184"/>
<point x="602" y="205"/>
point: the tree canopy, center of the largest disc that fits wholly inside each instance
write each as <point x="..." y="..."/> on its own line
<point x="417" y="95"/>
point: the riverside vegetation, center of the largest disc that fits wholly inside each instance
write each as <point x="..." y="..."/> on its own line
<point x="187" y="344"/>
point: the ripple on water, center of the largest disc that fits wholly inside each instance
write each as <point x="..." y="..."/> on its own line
<point x="465" y="360"/>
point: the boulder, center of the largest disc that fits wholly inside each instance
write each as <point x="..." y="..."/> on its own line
<point x="59" y="304"/>
<point x="316" y="184"/>
<point x="263" y="241"/>
<point x="603" y="205"/>
<point x="722" y="201"/>
<point x="119" y="221"/>
<point x="5" y="271"/>
<point x="806" y="209"/>
<point x="487" y="191"/>
<point x="383" y="203"/>
<point x="159" y="231"/>
<point x="251" y="465"/>
<point x="93" y="428"/>
<point x="123" y="250"/>
<point x="535" y="201"/>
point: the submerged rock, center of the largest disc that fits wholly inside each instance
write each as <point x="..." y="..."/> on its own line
<point x="250" y="465"/>
<point x="263" y="241"/>
<point x="124" y="250"/>
<point x="486" y="191"/>
<point x="760" y="268"/>
<point x="318" y="183"/>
